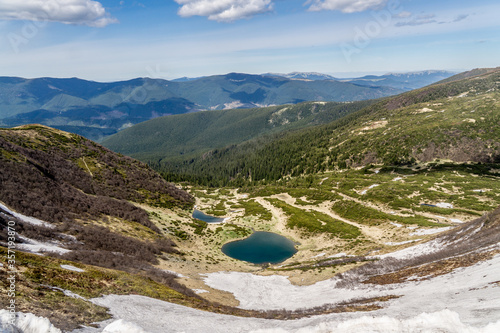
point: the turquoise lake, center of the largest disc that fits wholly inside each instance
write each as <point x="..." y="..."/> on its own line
<point x="261" y="248"/>
<point x="207" y="218"/>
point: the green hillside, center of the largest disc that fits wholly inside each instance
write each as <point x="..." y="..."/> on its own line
<point x="181" y="137"/>
<point x="449" y="121"/>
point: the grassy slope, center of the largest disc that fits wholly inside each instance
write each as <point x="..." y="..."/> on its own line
<point x="36" y="274"/>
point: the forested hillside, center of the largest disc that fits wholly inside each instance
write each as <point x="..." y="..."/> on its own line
<point x="180" y="137"/>
<point x="454" y="120"/>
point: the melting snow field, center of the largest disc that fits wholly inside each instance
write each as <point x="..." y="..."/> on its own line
<point x="153" y="316"/>
<point x="467" y="300"/>
<point x="73" y="268"/>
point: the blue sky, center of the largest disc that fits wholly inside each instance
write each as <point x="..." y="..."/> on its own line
<point x="119" y="40"/>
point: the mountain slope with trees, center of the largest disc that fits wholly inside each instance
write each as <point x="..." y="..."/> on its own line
<point x="184" y="136"/>
<point x="452" y="120"/>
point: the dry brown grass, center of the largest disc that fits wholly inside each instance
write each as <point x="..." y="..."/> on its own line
<point x="431" y="270"/>
<point x="464" y="246"/>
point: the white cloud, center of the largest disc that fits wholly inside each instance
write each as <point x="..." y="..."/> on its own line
<point x="345" y="6"/>
<point x="460" y="17"/>
<point x="403" y="14"/>
<point x="418" y="20"/>
<point x="85" y="12"/>
<point x="223" y="10"/>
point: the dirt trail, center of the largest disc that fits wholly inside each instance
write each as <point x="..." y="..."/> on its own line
<point x="369" y="204"/>
<point x="376" y="234"/>
<point x="277" y="214"/>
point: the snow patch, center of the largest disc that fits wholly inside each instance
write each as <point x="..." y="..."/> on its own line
<point x="470" y="294"/>
<point x="37" y="247"/>
<point x="369" y="188"/>
<point x="179" y="275"/>
<point x="233" y="105"/>
<point x="68" y="293"/>
<point x="340" y="255"/>
<point x="277" y="292"/>
<point x="24" y="218"/>
<point x="444" y="205"/>
<point x="122" y="326"/>
<point x="397" y="179"/>
<point x="442" y="321"/>
<point x="422" y="232"/>
<point x="424" y="110"/>
<point x="53" y="88"/>
<point x="73" y="268"/>
<point x="414" y="251"/>
<point x="200" y="291"/>
<point x="397" y="225"/>
<point x="25" y="323"/>
<point x="456" y="221"/>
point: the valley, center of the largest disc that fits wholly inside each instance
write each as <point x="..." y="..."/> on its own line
<point x="249" y="166"/>
<point x="384" y="200"/>
<point x="363" y="220"/>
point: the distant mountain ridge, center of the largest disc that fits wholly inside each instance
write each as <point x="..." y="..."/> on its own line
<point x="446" y="121"/>
<point x="404" y="81"/>
<point x="313" y="76"/>
<point x="96" y="109"/>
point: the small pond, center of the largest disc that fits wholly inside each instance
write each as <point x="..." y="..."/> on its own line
<point x="261" y="248"/>
<point x="207" y="218"/>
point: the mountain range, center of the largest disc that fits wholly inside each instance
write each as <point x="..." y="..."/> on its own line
<point x="448" y="120"/>
<point x="403" y="81"/>
<point x="389" y="202"/>
<point x="96" y="110"/>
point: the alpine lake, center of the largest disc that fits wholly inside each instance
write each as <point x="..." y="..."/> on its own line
<point x="259" y="248"/>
